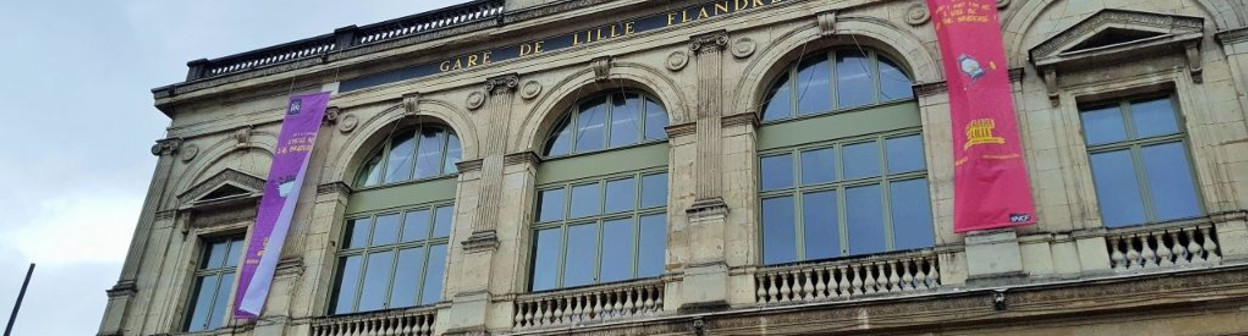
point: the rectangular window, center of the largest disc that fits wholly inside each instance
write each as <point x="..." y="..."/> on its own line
<point x="214" y="281"/>
<point x="1140" y="164"/>
<point x="853" y="197"/>
<point x="393" y="260"/>
<point x="615" y="230"/>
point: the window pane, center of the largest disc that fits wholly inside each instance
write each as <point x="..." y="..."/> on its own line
<point x="1153" y="118"/>
<point x="371" y="175"/>
<point x="586" y="200"/>
<point x="348" y="282"/>
<point x="1170" y="181"/>
<point x="819" y="218"/>
<point x="416" y="226"/>
<point x="813" y="77"/>
<point x="617" y="250"/>
<point x="656" y="120"/>
<point x="625" y="125"/>
<point x="1117" y="190"/>
<point x="216" y="255"/>
<point x="621" y="195"/>
<point x="407" y="277"/>
<point x="376" y="279"/>
<point x="854" y="85"/>
<point x="561" y="141"/>
<point x="590" y="123"/>
<point x="912" y="215"/>
<point x="905" y="154"/>
<point x="652" y="251"/>
<point x="818" y="166"/>
<point x="779" y="231"/>
<point x="236" y="250"/>
<point x="779" y="101"/>
<point x="442" y="221"/>
<point x="777" y="172"/>
<point x="580" y="256"/>
<point x="429" y="157"/>
<point x="357" y="233"/>
<point x="894" y="84"/>
<point x="1103" y="125"/>
<point x="399" y="165"/>
<point x="550" y="205"/>
<point x="385" y="230"/>
<point x="546" y="259"/>
<point x="653" y="190"/>
<point x="433" y="278"/>
<point x="865" y="214"/>
<point x="861" y="160"/>
<point x="453" y="154"/>
<point x="223" y="301"/>
<point x="204" y="290"/>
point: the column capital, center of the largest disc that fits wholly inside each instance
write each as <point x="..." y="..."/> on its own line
<point x="710" y="42"/>
<point x="502" y="84"/>
<point x="166" y="146"/>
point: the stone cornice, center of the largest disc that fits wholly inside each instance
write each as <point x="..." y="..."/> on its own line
<point x="928" y="89"/>
<point x="748" y="118"/>
<point x="469" y="165"/>
<point x="481" y="241"/>
<point x="678" y="130"/>
<point x="528" y="157"/>
<point x="1232" y="36"/>
<point x="337" y="187"/>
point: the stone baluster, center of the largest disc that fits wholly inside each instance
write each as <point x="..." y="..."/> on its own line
<point x="821" y="283"/>
<point x="856" y="285"/>
<point x="1197" y="251"/>
<point x="1210" y="246"/>
<point x="907" y="278"/>
<point x="1148" y="254"/>
<point x="1116" y="258"/>
<point x="842" y="282"/>
<point x="1165" y="255"/>
<point x="872" y="278"/>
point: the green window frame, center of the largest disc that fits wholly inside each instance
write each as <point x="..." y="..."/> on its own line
<point x="377" y="170"/>
<point x="806" y="193"/>
<point x="830" y="81"/>
<point x="632" y="205"/>
<point x="393" y="259"/>
<point x="214" y="282"/>
<point x="601" y="111"/>
<point x="1142" y="169"/>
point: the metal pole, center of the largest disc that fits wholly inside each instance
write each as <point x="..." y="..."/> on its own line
<point x="16" y="306"/>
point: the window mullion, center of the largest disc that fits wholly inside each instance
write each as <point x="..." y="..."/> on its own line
<point x="885" y="193"/>
<point x="874" y="71"/>
<point x="799" y="226"/>
<point x="1141" y="177"/>
<point x="833" y="84"/>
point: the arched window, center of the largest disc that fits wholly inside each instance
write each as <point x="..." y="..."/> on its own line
<point x="849" y="177"/>
<point x="836" y="80"/>
<point x="413" y="153"/>
<point x="602" y="217"/>
<point x="609" y="121"/>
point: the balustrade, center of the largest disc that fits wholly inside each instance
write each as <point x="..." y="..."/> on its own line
<point x="412" y="322"/>
<point x="591" y="304"/>
<point x="1156" y="247"/>
<point x="845" y="279"/>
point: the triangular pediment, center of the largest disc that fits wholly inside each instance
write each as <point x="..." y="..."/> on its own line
<point x="226" y="185"/>
<point x="1113" y="33"/>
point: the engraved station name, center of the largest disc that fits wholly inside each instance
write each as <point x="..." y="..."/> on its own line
<point x="592" y="35"/>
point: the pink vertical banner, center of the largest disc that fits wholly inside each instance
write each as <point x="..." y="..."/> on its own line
<point x="277" y="205"/>
<point x="991" y="189"/>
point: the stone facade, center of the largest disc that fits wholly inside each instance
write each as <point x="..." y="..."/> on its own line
<point x="1057" y="277"/>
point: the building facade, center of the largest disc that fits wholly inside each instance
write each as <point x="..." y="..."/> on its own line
<point x="709" y="167"/>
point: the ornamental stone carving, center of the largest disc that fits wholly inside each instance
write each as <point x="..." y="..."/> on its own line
<point x="411" y="104"/>
<point x="744" y="47"/>
<point x="332" y="114"/>
<point x="475" y="100"/>
<point x="242" y="136"/>
<point x="602" y="67"/>
<point x="677" y="60"/>
<point x="502" y="83"/>
<point x="530" y="90"/>
<point x="917" y="14"/>
<point x="715" y="41"/>
<point x="827" y="23"/>
<point x="166" y="146"/>
<point x="348" y="123"/>
<point x="188" y="152"/>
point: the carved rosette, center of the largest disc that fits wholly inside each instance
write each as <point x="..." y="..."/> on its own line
<point x="475" y="100"/>
<point x="530" y="90"/>
<point x="713" y="42"/>
<point x="744" y="47"/>
<point x="188" y="152"/>
<point x="677" y="60"/>
<point x="917" y="14"/>
<point x="348" y="123"/>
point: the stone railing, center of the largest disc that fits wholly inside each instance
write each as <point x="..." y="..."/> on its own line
<point x="410" y="322"/>
<point x="600" y="303"/>
<point x="1163" y="246"/>
<point x="348" y="37"/>
<point x="843" y="279"/>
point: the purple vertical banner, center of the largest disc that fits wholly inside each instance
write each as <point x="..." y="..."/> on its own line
<point x="281" y="192"/>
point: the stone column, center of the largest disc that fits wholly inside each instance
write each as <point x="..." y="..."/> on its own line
<point x="471" y="301"/>
<point x="122" y="294"/>
<point x="706" y="273"/>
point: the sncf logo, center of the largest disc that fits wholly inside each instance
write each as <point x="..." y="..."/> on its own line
<point x="1020" y="218"/>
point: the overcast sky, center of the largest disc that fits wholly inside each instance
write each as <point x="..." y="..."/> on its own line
<point x="78" y="123"/>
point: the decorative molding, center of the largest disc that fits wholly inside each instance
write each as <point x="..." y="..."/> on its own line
<point x="689" y="128"/>
<point x="188" y="152"/>
<point x="411" y="104"/>
<point x="705" y="209"/>
<point x="1050" y="85"/>
<point x="168" y="214"/>
<point x="475" y="100"/>
<point x="1232" y="36"/>
<point x="337" y="187"/>
<point x="741" y="119"/>
<point x="122" y="288"/>
<point x="1017" y="74"/>
<point x="744" y="47"/>
<point x="928" y="89"/>
<point x="469" y="165"/>
<point x="710" y="42"/>
<point x="228" y="176"/>
<point x="332" y="114"/>
<point x="502" y="84"/>
<point x="528" y="157"/>
<point x="677" y="60"/>
<point x="530" y="90"/>
<point x="602" y="67"/>
<point x="242" y="136"/>
<point x="166" y="146"/>
<point x="917" y="14"/>
<point x="826" y="22"/>
<point x="289" y="266"/>
<point x="348" y="123"/>
<point x="225" y="214"/>
<point x="1116" y="17"/>
<point x="481" y="241"/>
<point x="1194" y="66"/>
